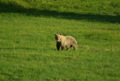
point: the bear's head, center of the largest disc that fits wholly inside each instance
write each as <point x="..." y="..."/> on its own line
<point x="58" y="37"/>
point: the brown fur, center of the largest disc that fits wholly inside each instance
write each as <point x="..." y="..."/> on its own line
<point x="65" y="42"/>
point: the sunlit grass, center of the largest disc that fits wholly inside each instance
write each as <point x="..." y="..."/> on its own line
<point x="28" y="51"/>
<point x="28" y="47"/>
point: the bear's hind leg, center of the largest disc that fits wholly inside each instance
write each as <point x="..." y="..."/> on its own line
<point x="75" y="47"/>
<point x="68" y="47"/>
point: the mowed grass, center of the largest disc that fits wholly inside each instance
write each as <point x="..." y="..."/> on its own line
<point x="28" y="47"/>
<point x="28" y="50"/>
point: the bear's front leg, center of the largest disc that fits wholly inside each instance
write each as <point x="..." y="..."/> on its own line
<point x="58" y="46"/>
<point x="62" y="48"/>
<point x="68" y="47"/>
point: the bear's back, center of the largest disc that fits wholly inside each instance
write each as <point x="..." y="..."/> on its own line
<point x="71" y="39"/>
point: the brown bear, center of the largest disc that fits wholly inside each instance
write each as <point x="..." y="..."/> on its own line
<point x="65" y="42"/>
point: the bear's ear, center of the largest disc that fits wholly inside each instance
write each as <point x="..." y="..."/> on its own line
<point x="61" y="34"/>
<point x="56" y="35"/>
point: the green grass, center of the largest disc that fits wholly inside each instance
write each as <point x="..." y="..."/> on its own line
<point x="111" y="7"/>
<point x="28" y="47"/>
<point x="28" y="51"/>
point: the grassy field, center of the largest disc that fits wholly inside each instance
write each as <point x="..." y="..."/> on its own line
<point x="28" y="47"/>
